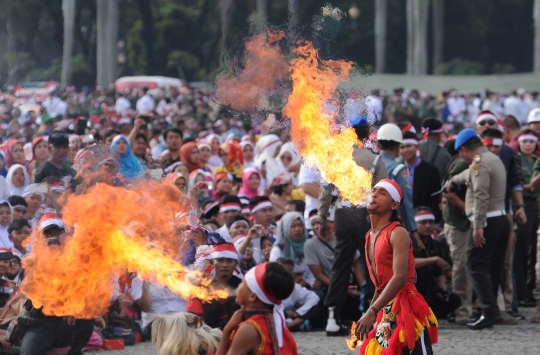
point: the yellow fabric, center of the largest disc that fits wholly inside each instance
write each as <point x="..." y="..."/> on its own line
<point x="298" y="194"/>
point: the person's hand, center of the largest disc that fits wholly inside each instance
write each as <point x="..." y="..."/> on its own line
<point x="236" y="319"/>
<point x="124" y="301"/>
<point x="353" y="291"/>
<point x="419" y="242"/>
<point x="442" y="264"/>
<point x="253" y="232"/>
<point x="100" y="322"/>
<point x="317" y="285"/>
<point x="292" y="314"/>
<point x="364" y="324"/>
<point x="449" y="185"/>
<point x="478" y="238"/>
<point x="139" y="122"/>
<point x="520" y="215"/>
<point x="70" y="320"/>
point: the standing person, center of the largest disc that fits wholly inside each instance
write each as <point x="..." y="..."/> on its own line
<point x="261" y="214"/>
<point x="57" y="166"/>
<point x="405" y="324"/>
<point x="351" y="225"/>
<point x="431" y="149"/>
<point x="145" y="103"/>
<point x="389" y="139"/>
<point x="424" y="178"/>
<point x="14" y="153"/>
<point x="249" y="153"/>
<point x="17" y="179"/>
<point x="484" y="204"/>
<point x="173" y="141"/>
<point x="40" y="153"/>
<point x="130" y="167"/>
<point x="512" y="130"/>
<point x="525" y="260"/>
<point x="251" y="180"/>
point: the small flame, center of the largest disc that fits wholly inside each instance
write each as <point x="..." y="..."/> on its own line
<point x="354" y="342"/>
<point x="114" y="230"/>
<point x="314" y="132"/>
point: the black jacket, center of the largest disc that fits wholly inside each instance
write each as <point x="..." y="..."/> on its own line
<point x="427" y="180"/>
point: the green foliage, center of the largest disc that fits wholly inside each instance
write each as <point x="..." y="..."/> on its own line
<point x="499" y="68"/>
<point x="460" y="66"/>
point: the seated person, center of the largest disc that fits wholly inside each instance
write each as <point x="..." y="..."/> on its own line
<point x="251" y="331"/>
<point x="301" y="306"/>
<point x="18" y="231"/>
<point x="15" y="272"/>
<point x="267" y="243"/>
<point x="295" y="206"/>
<point x="19" y="206"/>
<point x="224" y="258"/>
<point x="229" y="207"/>
<point x="5" y="287"/>
<point x="433" y="269"/>
<point x="291" y="238"/>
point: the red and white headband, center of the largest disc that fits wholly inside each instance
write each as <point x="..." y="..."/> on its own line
<point x="237" y="223"/>
<point x="393" y="189"/>
<point x="225" y="250"/>
<point x="409" y="128"/>
<point x="210" y="207"/>
<point x="230" y="206"/>
<point x="261" y="205"/>
<point x="410" y="141"/>
<point x="254" y="280"/>
<point x="424" y="216"/>
<point x="238" y="240"/>
<point x="245" y="209"/>
<point x="527" y="137"/>
<point x="52" y="222"/>
<point x="486" y="116"/>
<point x="497" y="142"/>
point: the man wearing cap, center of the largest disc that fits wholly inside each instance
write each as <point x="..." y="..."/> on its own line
<point x="57" y="166"/>
<point x="484" y="205"/>
<point x="351" y="223"/>
<point x="431" y="148"/>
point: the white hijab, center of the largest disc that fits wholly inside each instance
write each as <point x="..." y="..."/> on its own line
<point x="4" y="235"/>
<point x="265" y="151"/>
<point x="14" y="190"/>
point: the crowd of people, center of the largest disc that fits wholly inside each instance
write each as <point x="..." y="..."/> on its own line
<point x="468" y="179"/>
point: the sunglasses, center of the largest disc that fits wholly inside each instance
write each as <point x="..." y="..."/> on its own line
<point x="489" y="122"/>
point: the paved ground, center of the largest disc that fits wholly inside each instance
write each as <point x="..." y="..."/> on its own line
<point x="453" y="340"/>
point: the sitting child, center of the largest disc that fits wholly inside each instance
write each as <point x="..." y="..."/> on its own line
<point x="266" y="247"/>
<point x="260" y="321"/>
<point x="18" y="231"/>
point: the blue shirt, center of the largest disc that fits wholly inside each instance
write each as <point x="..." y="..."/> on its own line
<point x="399" y="173"/>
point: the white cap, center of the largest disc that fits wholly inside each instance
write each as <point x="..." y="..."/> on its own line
<point x="390" y="132"/>
<point x="534" y="116"/>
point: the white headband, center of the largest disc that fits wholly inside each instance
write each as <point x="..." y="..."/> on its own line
<point x="52" y="222"/>
<point x="487" y="116"/>
<point x="238" y="223"/>
<point x="253" y="285"/>
<point x="424" y="217"/>
<point x="391" y="190"/>
<point x="492" y="141"/>
<point x="261" y="205"/>
<point x="410" y="141"/>
<point x="231" y="206"/>
<point x="529" y="137"/>
<point x="223" y="254"/>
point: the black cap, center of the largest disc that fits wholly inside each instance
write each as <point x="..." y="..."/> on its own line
<point x="59" y="139"/>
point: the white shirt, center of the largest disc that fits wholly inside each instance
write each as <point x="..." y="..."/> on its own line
<point x="309" y="175"/>
<point x="163" y="300"/>
<point x="300" y="267"/>
<point x="301" y="295"/>
<point x="456" y="106"/>
<point x="145" y="104"/>
<point x="54" y="106"/>
<point x="374" y="109"/>
<point x="122" y="105"/>
<point x="512" y="106"/>
<point x="223" y="231"/>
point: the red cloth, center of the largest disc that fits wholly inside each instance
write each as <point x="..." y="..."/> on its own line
<point x="258" y="321"/>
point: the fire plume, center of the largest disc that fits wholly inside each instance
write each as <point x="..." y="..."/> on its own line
<point x="114" y="230"/>
<point x="315" y="82"/>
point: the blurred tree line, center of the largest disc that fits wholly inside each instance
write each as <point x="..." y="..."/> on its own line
<point x="183" y="38"/>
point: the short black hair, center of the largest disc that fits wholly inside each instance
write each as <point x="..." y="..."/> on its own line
<point x="174" y="130"/>
<point x="511" y="122"/>
<point x="432" y="123"/>
<point x="141" y="135"/>
<point x="111" y="132"/>
<point x="278" y="189"/>
<point x="423" y="209"/>
<point x="450" y="147"/>
<point x="388" y="145"/>
<point x="229" y="199"/>
<point x="277" y="217"/>
<point x="472" y="143"/>
<point x="492" y="133"/>
<point x="256" y="200"/>
<point x="285" y="261"/>
<point x="278" y="281"/>
<point x="299" y="205"/>
<point x="18" y="224"/>
<point x="17" y="201"/>
<point x="236" y="219"/>
<point x="409" y="135"/>
<point x="362" y="132"/>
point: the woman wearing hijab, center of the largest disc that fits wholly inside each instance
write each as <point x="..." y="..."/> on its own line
<point x="248" y="150"/>
<point x="251" y="181"/>
<point x="3" y="167"/>
<point x="189" y="155"/>
<point x="205" y="153"/>
<point x="223" y="185"/>
<point x="179" y="181"/>
<point x="17" y="179"/>
<point x="290" y="160"/>
<point x="233" y="160"/>
<point x="40" y="153"/>
<point x="291" y="236"/>
<point x="266" y="151"/>
<point x="130" y="167"/>
<point x="6" y="217"/>
<point x="14" y="153"/>
<point x="215" y="142"/>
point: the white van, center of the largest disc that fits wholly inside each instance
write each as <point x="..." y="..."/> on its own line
<point x="158" y="85"/>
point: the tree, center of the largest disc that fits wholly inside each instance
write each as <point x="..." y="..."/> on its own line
<point x="536" y="16"/>
<point x="107" y="32"/>
<point x="68" y="10"/>
<point x="437" y="8"/>
<point x="381" y="7"/>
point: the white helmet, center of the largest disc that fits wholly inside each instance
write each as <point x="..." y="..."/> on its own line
<point x="534" y="115"/>
<point x="390" y="132"/>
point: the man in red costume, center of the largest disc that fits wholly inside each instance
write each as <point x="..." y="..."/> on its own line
<point x="404" y="322"/>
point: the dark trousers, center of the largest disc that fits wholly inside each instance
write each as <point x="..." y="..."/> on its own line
<point x="525" y="252"/>
<point x="485" y="264"/>
<point x="423" y="346"/>
<point x="352" y="224"/>
<point x="54" y="332"/>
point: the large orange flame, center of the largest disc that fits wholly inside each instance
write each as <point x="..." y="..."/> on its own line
<point x="313" y="130"/>
<point x="114" y="230"/>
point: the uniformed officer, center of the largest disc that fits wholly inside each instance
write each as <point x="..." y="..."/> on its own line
<point x="431" y="149"/>
<point x="484" y="205"/>
<point x="351" y="222"/>
<point x="389" y="139"/>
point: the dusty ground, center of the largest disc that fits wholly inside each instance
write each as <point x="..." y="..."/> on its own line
<point x="453" y="340"/>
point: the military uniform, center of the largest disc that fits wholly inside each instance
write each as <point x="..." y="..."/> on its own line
<point x="484" y="205"/>
<point x="433" y="153"/>
<point x="352" y="224"/>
